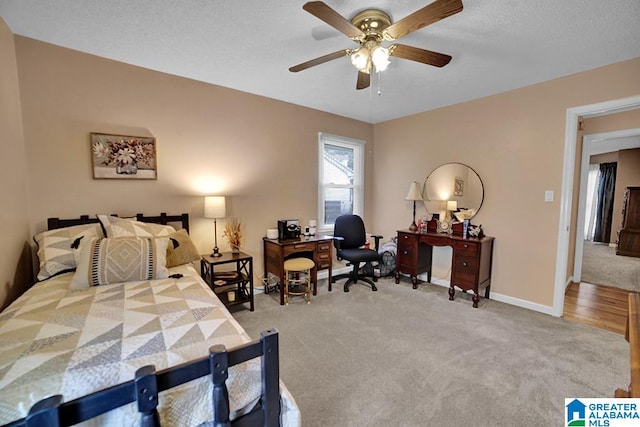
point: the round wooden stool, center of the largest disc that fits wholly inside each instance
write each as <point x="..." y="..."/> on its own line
<point x="297" y="278"/>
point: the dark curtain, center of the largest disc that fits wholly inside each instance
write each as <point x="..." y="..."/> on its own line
<point x="604" y="210"/>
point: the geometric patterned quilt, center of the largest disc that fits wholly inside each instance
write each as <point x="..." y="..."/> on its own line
<point x="57" y="341"/>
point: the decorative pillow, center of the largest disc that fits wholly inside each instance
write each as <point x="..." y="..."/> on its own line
<point x="123" y="259"/>
<point x="57" y="251"/>
<point x="181" y="249"/>
<point x="122" y="227"/>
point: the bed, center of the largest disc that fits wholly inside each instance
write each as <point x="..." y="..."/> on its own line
<point x="81" y="346"/>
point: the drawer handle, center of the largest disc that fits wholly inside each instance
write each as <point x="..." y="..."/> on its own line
<point x="324" y="256"/>
<point x="405" y="252"/>
<point x="298" y="246"/>
<point x="466" y="246"/>
<point x="464" y="264"/>
<point x="406" y="237"/>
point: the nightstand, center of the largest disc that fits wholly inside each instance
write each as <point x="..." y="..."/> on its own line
<point x="230" y="276"/>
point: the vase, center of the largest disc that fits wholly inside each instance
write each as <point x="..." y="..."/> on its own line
<point x="235" y="249"/>
<point x="130" y="168"/>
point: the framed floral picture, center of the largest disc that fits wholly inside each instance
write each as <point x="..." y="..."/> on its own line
<point x="123" y="157"/>
<point x="458" y="187"/>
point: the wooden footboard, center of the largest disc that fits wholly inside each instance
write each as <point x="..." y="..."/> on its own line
<point x="633" y="336"/>
<point x="146" y="385"/>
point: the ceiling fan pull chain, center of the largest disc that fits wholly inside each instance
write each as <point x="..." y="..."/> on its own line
<point x="379" y="92"/>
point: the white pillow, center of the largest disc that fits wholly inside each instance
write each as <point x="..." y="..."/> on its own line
<point x="123" y="227"/>
<point x="117" y="260"/>
<point x="57" y="249"/>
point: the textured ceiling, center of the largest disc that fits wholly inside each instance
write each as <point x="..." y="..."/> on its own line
<point x="497" y="45"/>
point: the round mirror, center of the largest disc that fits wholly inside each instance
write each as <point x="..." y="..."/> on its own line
<point x="453" y="187"/>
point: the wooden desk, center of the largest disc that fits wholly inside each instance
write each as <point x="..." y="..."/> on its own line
<point x="317" y="248"/>
<point x="470" y="263"/>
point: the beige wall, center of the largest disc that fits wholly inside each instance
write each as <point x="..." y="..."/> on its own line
<point x="611" y="122"/>
<point x="515" y="141"/>
<point x="14" y="227"/>
<point x="260" y="153"/>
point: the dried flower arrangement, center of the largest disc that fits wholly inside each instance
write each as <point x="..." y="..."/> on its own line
<point x="233" y="233"/>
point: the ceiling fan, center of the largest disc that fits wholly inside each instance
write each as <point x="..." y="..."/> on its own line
<point x="371" y="27"/>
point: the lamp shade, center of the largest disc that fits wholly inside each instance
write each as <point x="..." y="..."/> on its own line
<point x="452" y="205"/>
<point x="415" y="192"/>
<point x="215" y="207"/>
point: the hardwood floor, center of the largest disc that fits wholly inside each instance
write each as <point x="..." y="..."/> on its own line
<point x="600" y="306"/>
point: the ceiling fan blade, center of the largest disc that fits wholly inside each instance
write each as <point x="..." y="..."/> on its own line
<point x="419" y="55"/>
<point x="323" y="12"/>
<point x="320" y="60"/>
<point x="364" y="80"/>
<point x="429" y="14"/>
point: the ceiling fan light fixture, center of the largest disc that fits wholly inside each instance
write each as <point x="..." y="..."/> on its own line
<point x="361" y="59"/>
<point x="370" y="27"/>
<point x="380" y="58"/>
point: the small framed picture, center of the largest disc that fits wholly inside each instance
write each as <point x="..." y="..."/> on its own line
<point x="458" y="187"/>
<point x="123" y="157"/>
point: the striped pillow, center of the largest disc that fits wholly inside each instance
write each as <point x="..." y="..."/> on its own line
<point x="57" y="249"/>
<point x="117" y="260"/>
<point x="124" y="227"/>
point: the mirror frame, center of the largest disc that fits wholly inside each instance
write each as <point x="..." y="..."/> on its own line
<point x="426" y="196"/>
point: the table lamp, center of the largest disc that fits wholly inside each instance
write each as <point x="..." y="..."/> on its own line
<point x="414" y="194"/>
<point x="452" y="205"/>
<point x="215" y="207"/>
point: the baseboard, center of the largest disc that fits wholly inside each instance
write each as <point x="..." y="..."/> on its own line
<point x="500" y="297"/>
<point x="323" y="274"/>
<point x="445" y="283"/>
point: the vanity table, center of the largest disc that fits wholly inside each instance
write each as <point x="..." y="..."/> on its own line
<point x="457" y="185"/>
<point x="470" y="263"/>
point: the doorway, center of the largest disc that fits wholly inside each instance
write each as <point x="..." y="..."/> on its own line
<point x="595" y="144"/>
<point x="564" y="226"/>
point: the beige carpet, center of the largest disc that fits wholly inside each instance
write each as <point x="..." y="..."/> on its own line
<point x="411" y="357"/>
<point x="601" y="266"/>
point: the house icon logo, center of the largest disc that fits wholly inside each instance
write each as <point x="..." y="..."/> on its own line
<point x="576" y="413"/>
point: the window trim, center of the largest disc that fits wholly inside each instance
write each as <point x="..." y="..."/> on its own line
<point x="358" y="146"/>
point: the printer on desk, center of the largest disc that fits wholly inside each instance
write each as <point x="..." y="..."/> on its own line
<point x="288" y="229"/>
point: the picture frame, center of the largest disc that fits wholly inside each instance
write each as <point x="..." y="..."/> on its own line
<point x="123" y="156"/>
<point x="458" y="187"/>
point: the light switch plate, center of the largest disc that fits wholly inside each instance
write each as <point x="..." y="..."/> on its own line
<point x="548" y="196"/>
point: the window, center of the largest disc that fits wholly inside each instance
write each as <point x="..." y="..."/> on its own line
<point x="340" y="178"/>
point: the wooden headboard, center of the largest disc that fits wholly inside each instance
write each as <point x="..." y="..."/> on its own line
<point x="163" y="218"/>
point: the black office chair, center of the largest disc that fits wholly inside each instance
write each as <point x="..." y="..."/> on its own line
<point x="349" y="237"/>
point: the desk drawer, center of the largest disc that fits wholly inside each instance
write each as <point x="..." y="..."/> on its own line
<point x="299" y="247"/>
<point x="436" y="240"/>
<point x="407" y="240"/>
<point x="465" y="272"/>
<point x="323" y="260"/>
<point x="466" y="248"/>
<point x="323" y="257"/>
<point x="406" y="261"/>
<point x="324" y="247"/>
<point x="407" y="257"/>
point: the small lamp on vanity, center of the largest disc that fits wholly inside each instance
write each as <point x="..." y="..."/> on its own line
<point x="452" y="205"/>
<point x="215" y="207"/>
<point x="414" y="195"/>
